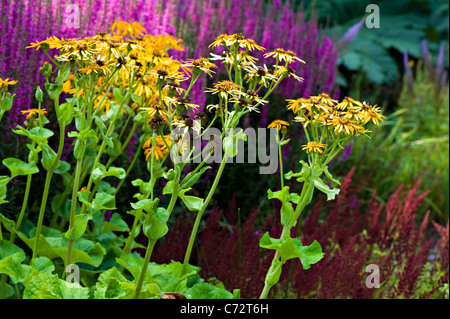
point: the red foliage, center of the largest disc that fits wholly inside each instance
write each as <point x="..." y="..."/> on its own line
<point x="352" y="235"/>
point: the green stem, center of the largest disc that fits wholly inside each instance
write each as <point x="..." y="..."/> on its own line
<point x="202" y="210"/>
<point x="47" y="187"/>
<point x="281" y="165"/>
<point x="148" y="253"/>
<point x="22" y="211"/>
<point x="73" y="208"/>
<point x="308" y="188"/>
<point x="135" y="157"/>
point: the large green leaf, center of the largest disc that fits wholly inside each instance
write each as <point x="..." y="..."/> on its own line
<point x="12" y="267"/>
<point x="18" y="167"/>
<point x="208" y="291"/>
<point x="83" y="250"/>
<point x="46" y="286"/>
<point x="155" y="224"/>
<point x="289" y="248"/>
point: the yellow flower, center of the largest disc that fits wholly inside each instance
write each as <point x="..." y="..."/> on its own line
<point x="325" y="98"/>
<point x="52" y="42"/>
<point x="260" y="74"/>
<point x="145" y="87"/>
<point x="128" y="29"/>
<point x="373" y="114"/>
<point x="296" y="105"/>
<point x="201" y="64"/>
<point x="279" y="125"/>
<point x="32" y="112"/>
<point x="314" y="147"/>
<point x="6" y="82"/>
<point x="223" y="88"/>
<point x="160" y="149"/>
<point x="343" y="124"/>
<point x="283" y="55"/>
<point x="287" y="71"/>
<point x="251" y="45"/>
<point x="347" y="102"/>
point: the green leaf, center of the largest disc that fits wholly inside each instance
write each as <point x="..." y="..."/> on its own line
<point x="168" y="189"/>
<point x="146" y="204"/>
<point x="286" y="211"/>
<point x="136" y="98"/>
<point x="230" y="143"/>
<point x="3" y="189"/>
<point x="12" y="267"/>
<point x="79" y="227"/>
<point x="7" y="249"/>
<point x="18" y="167"/>
<point x="116" y="223"/>
<point x="83" y="250"/>
<point x="274" y="273"/>
<point x="45" y="286"/>
<point x="192" y="177"/>
<point x="289" y="248"/>
<point x="42" y="264"/>
<point x="108" y="285"/>
<point x="192" y="203"/>
<point x="328" y="174"/>
<point x="172" y="277"/>
<point x="65" y="113"/>
<point x="208" y="291"/>
<point x="131" y="263"/>
<point x="7" y="223"/>
<point x="320" y="185"/>
<point x="63" y="167"/>
<point x="155" y="224"/>
<point x="100" y="172"/>
<point x="48" y="156"/>
<point x="102" y="201"/>
<point x="118" y="94"/>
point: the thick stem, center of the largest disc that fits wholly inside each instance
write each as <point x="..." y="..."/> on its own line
<point x="308" y="187"/>
<point x="73" y="208"/>
<point x="148" y="254"/>
<point x="202" y="210"/>
<point x="47" y="187"/>
<point x="22" y="211"/>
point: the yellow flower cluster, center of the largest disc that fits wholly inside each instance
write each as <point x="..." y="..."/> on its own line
<point x="347" y="116"/>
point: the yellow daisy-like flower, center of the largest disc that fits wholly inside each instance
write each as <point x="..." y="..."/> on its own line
<point x="32" y="112"/>
<point x="296" y="105"/>
<point x="343" y="124"/>
<point x="223" y="88"/>
<point x="201" y="64"/>
<point x="52" y="42"/>
<point x="160" y="149"/>
<point x="128" y="29"/>
<point x="374" y="115"/>
<point x="347" y="102"/>
<point x="287" y="71"/>
<point x="221" y="39"/>
<point x="279" y="125"/>
<point x="251" y="45"/>
<point x="6" y="82"/>
<point x="283" y="55"/>
<point x="314" y="147"/>
<point x="325" y="98"/>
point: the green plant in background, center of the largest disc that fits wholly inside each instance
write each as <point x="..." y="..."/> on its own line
<point x="417" y="133"/>
<point x="376" y="51"/>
